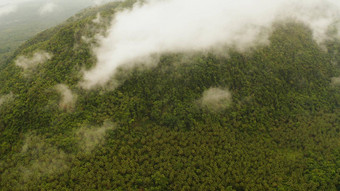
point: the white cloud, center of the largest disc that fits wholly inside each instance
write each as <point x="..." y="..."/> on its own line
<point x="68" y="98"/>
<point x="45" y="159"/>
<point x="193" y="25"/>
<point x="31" y="62"/>
<point x="7" y="9"/>
<point x="335" y="81"/>
<point x="47" y="8"/>
<point x="215" y="99"/>
<point x="89" y="138"/>
<point x="6" y="98"/>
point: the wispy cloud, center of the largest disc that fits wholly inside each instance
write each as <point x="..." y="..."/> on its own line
<point x="89" y="138"/>
<point x="156" y="27"/>
<point x="68" y="98"/>
<point x="336" y="81"/>
<point x="6" y="98"/>
<point x="32" y="61"/>
<point x="215" y="99"/>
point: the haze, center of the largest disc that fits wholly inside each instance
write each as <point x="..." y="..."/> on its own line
<point x="22" y="19"/>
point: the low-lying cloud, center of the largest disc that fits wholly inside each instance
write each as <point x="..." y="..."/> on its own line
<point x="89" y="138"/>
<point x="29" y="62"/>
<point x="68" y="99"/>
<point x="98" y="19"/>
<point x="156" y="27"/>
<point x="6" y="98"/>
<point x="335" y="81"/>
<point x="215" y="99"/>
<point x="45" y="159"/>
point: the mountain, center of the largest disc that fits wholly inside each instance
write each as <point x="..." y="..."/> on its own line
<point x="263" y="119"/>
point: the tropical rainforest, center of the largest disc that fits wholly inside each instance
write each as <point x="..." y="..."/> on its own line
<point x="276" y="128"/>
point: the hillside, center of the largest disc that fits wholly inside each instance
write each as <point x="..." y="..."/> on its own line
<point x="263" y="119"/>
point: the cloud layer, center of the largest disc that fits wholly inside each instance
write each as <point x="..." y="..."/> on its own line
<point x="157" y="27"/>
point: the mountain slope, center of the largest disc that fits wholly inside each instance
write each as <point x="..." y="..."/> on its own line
<point x="279" y="128"/>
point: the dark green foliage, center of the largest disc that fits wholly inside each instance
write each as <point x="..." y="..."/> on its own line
<point x="281" y="132"/>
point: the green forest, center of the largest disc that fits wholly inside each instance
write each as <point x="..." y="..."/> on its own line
<point x="277" y="128"/>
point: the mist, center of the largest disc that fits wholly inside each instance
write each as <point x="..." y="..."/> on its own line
<point x="6" y="98"/>
<point x="47" y="8"/>
<point x="46" y="159"/>
<point x="215" y="99"/>
<point x="89" y="138"/>
<point x="6" y="9"/>
<point x="12" y="6"/>
<point x="20" y="20"/>
<point x="22" y="12"/>
<point x="68" y="99"/>
<point x="157" y="27"/>
<point x="335" y="81"/>
<point x="29" y="62"/>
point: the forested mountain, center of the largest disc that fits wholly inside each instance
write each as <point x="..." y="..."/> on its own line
<point x="263" y="119"/>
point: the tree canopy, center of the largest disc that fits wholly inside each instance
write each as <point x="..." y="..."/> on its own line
<point x="280" y="129"/>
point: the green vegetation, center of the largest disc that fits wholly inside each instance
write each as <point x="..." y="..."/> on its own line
<point x="281" y="131"/>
